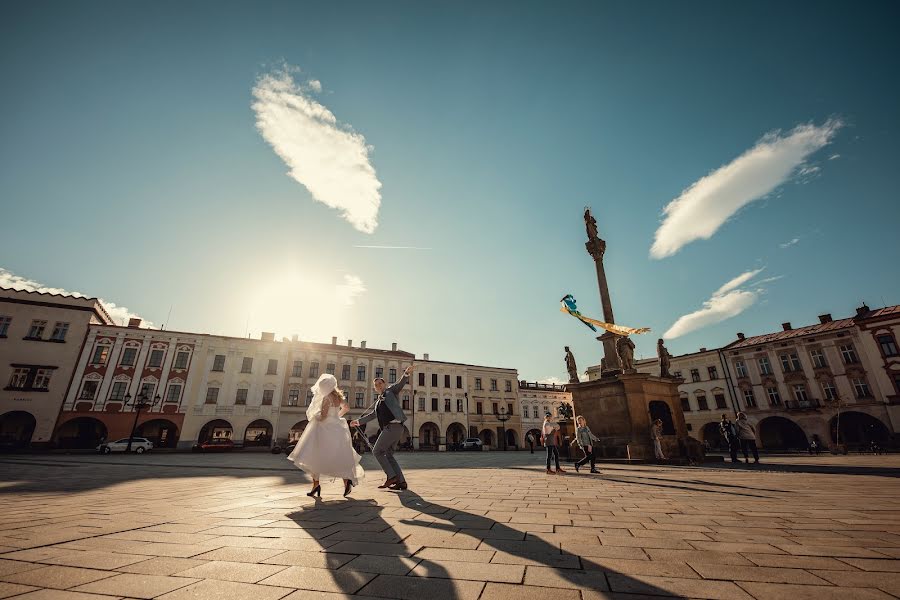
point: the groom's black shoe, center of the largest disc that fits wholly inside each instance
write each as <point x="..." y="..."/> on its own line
<point x="388" y="483"/>
<point x="400" y="485"/>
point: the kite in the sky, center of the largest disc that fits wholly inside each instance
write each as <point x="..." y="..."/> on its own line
<point x="567" y="305"/>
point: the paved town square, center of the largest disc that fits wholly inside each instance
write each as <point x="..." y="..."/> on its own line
<point x="472" y="525"/>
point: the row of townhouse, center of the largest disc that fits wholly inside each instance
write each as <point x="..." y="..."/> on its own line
<point x="833" y="382"/>
<point x="200" y="386"/>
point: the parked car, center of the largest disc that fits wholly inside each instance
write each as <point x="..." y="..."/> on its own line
<point x="217" y="445"/>
<point x="472" y="444"/>
<point x="138" y="445"/>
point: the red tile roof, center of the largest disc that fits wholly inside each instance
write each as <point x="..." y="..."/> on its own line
<point x="778" y="336"/>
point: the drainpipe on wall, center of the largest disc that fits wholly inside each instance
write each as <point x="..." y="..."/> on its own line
<point x="729" y="381"/>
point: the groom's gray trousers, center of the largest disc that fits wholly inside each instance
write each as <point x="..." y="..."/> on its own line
<point x="384" y="450"/>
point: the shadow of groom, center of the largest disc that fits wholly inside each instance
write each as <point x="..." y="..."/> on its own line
<point x="411" y="548"/>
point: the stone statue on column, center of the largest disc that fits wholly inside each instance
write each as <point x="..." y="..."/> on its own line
<point x="625" y="351"/>
<point x="571" y="367"/>
<point x="665" y="359"/>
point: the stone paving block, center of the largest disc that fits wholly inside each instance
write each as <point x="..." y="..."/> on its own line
<point x="15" y="566"/>
<point x="211" y="589"/>
<point x="161" y="566"/>
<point x="94" y="559"/>
<point x="736" y="547"/>
<point x="504" y="591"/>
<point x="702" y="556"/>
<point x="674" y="586"/>
<point x="442" y="540"/>
<point x="57" y="577"/>
<point x="639" y="567"/>
<point x="537" y="559"/>
<point x="477" y="556"/>
<point x="373" y="548"/>
<point x="568" y="578"/>
<point x="448" y="569"/>
<point x="781" y="591"/>
<point x="322" y="580"/>
<point x="837" y="551"/>
<point x="888" y="582"/>
<point x="62" y="595"/>
<point x="387" y="565"/>
<point x="591" y="550"/>
<point x="8" y="590"/>
<point x="136" y="585"/>
<point x="231" y="571"/>
<point x="799" y="562"/>
<point x="419" y="588"/>
<point x="756" y="573"/>
<point x="871" y="564"/>
<point x="301" y="558"/>
<point x="35" y="554"/>
<point x="634" y="542"/>
<point x="240" y="554"/>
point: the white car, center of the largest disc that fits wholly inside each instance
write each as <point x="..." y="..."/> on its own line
<point x="139" y="445"/>
<point x="472" y="444"/>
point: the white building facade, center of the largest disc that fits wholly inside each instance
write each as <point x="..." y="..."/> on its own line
<point x="537" y="399"/>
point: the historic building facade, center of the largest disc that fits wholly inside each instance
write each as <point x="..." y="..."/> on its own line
<point x="355" y="368"/>
<point x="537" y="399"/>
<point x="120" y="367"/>
<point x="41" y="337"/>
<point x="439" y="415"/>
<point x="494" y="408"/>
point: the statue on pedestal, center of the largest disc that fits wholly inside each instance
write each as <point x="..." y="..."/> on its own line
<point x="595" y="246"/>
<point x="571" y="367"/>
<point x="665" y="359"/>
<point x="625" y="350"/>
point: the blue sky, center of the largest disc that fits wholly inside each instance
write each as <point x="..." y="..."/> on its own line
<point x="132" y="167"/>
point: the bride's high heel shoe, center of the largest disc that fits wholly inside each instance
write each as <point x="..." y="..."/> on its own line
<point x="348" y="485"/>
<point x="316" y="491"/>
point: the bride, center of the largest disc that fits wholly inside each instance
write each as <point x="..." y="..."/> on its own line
<point x="325" y="447"/>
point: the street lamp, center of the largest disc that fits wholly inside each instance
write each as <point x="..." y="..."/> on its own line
<point x="503" y="418"/>
<point x="140" y="403"/>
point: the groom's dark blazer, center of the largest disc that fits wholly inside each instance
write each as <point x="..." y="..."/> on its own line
<point x="390" y="400"/>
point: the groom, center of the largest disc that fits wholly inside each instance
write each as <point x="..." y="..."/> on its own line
<point x="390" y="417"/>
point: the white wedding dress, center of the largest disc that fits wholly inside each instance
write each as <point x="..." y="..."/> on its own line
<point x="325" y="447"/>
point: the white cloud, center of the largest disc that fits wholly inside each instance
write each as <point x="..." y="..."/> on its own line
<point x="726" y="302"/>
<point x="834" y="156"/>
<point x="710" y="201"/>
<point x="327" y="157"/>
<point x="790" y="243"/>
<point x="119" y="314"/>
<point x="347" y="292"/>
<point x="554" y="380"/>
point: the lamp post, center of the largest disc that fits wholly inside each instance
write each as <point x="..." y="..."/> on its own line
<point x="503" y="418"/>
<point x="140" y="403"/>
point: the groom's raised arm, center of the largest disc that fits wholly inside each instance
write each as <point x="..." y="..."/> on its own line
<point x="398" y="385"/>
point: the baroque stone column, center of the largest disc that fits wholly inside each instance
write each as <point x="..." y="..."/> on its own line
<point x="596" y="247"/>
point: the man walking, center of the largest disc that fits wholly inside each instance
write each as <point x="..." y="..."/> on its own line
<point x="530" y="439"/>
<point x="730" y="434"/>
<point x="747" y="434"/>
<point x="390" y="415"/>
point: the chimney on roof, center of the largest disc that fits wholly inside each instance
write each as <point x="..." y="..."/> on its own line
<point x="349" y="343"/>
<point x="860" y="311"/>
<point x="702" y="349"/>
<point x="362" y="344"/>
<point x="826" y="318"/>
<point x="394" y="347"/>
<point x="740" y="335"/>
<point x="134" y="322"/>
<point x="786" y="326"/>
<point x="425" y="356"/>
<point x="267" y="336"/>
<point x="334" y="340"/>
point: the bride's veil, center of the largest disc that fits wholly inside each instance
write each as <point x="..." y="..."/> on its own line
<point x="323" y="386"/>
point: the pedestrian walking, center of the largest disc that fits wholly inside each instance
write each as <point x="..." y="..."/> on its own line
<point x="747" y="435"/>
<point x="585" y="439"/>
<point x="656" y="432"/>
<point x="530" y="439"/>
<point x="730" y="434"/>
<point x="549" y="433"/>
